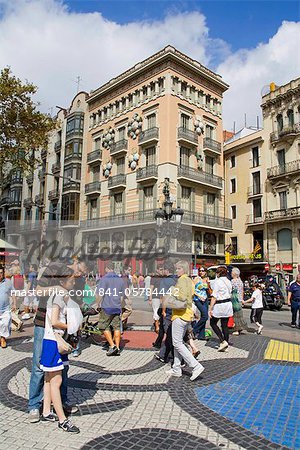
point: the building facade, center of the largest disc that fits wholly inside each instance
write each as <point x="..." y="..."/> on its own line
<point x="281" y="116"/>
<point x="103" y="176"/>
<point x="245" y="175"/>
<point x="262" y="173"/>
<point x="161" y="119"/>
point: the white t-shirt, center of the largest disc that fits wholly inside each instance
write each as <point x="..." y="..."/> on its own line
<point x="258" y="301"/>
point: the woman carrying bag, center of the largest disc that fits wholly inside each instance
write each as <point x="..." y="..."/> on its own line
<point x="221" y="307"/>
<point x="55" y="351"/>
<point x="183" y="291"/>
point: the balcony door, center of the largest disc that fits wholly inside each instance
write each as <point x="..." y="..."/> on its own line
<point x="118" y="203"/>
<point x="148" y="198"/>
<point x="256" y="183"/>
<point x="283" y="200"/>
<point x="185" y="121"/>
<point x="257" y="212"/>
<point x="185" y="156"/>
<point x="150" y="156"/>
<point x="210" y="204"/>
<point x="209" y="165"/>
<point x="120" y="162"/>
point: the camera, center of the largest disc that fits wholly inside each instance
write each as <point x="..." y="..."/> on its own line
<point x="73" y="340"/>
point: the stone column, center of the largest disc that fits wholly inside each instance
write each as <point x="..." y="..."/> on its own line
<point x="127" y="102"/>
<point x="156" y="88"/>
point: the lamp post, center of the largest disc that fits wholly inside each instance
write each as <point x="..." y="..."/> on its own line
<point x="168" y="220"/>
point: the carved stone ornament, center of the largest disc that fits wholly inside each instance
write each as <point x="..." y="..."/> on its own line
<point x="107" y="169"/>
<point x="134" y="126"/>
<point x="133" y="160"/>
<point x="108" y="138"/>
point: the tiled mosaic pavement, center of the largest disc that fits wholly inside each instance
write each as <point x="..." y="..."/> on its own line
<point x="242" y="401"/>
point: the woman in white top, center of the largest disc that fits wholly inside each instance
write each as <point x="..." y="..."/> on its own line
<point x="221" y="307"/>
<point x="257" y="305"/>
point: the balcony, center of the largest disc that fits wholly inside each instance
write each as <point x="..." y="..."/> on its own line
<point x="29" y="179"/>
<point x="74" y="134"/>
<point x="57" y="146"/>
<point x="148" y="216"/>
<point x="95" y="156"/>
<point x="212" y="146"/>
<point x="283" y="214"/>
<point x="71" y="186"/>
<point x="44" y="153"/>
<point x="187" y="136"/>
<point x="287" y="132"/>
<point x="39" y="200"/>
<point x="119" y="147"/>
<point x="255" y="190"/>
<point x="73" y="157"/>
<point x="56" y="167"/>
<point x="118" y="181"/>
<point x="284" y="169"/>
<point x="254" y="220"/>
<point x="28" y="203"/>
<point x="147" y="173"/>
<point x="93" y="188"/>
<point x="207" y="220"/>
<point x="54" y="195"/>
<point x="133" y="218"/>
<point x="148" y="136"/>
<point x="199" y="177"/>
<point x="13" y="203"/>
<point x="42" y="174"/>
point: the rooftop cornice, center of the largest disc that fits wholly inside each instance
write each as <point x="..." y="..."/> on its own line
<point x="282" y="92"/>
<point x="167" y="52"/>
<point x="243" y="142"/>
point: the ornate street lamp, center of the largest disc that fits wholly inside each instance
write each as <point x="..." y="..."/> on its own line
<point x="168" y="220"/>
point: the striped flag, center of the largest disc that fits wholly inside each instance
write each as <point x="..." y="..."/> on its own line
<point x="257" y="248"/>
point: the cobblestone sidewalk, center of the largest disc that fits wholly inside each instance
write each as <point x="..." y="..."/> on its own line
<point x="130" y="402"/>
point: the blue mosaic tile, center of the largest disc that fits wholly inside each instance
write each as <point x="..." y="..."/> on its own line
<point x="264" y="399"/>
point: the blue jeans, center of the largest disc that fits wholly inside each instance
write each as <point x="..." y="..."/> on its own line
<point x="295" y="309"/>
<point x="36" y="386"/>
<point x="199" y="327"/>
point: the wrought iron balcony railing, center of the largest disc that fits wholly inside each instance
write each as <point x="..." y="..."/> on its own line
<point x="289" y="213"/>
<point x="283" y="169"/>
<point x="56" y="167"/>
<point x="199" y="176"/>
<point x="149" y="135"/>
<point x="119" y="146"/>
<point x="146" y="173"/>
<point x="94" y="156"/>
<point x="287" y="131"/>
<point x="255" y="190"/>
<point x="71" y="186"/>
<point x="117" y="180"/>
<point x="95" y="186"/>
<point x="187" y="135"/>
<point x="252" y="219"/>
<point x="211" y="144"/>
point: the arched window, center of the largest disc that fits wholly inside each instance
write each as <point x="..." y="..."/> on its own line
<point x="279" y="119"/>
<point x="284" y="239"/>
<point x="290" y="115"/>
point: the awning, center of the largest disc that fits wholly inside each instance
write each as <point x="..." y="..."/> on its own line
<point x="7" y="249"/>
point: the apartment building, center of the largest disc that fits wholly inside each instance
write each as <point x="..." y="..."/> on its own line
<point x="160" y="119"/>
<point x="281" y="116"/>
<point x="245" y="201"/>
<point x="262" y="173"/>
<point x="104" y="173"/>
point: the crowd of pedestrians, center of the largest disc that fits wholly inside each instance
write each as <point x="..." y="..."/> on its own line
<point x="58" y="294"/>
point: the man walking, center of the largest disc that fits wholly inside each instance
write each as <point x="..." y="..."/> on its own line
<point x="294" y="301"/>
<point x="111" y="291"/>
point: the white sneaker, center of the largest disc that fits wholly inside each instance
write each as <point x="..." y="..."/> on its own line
<point x="26" y="316"/>
<point x="173" y="373"/>
<point x="196" y="372"/>
<point x="222" y="346"/>
<point x="260" y="327"/>
<point x="236" y="333"/>
<point x="34" y="416"/>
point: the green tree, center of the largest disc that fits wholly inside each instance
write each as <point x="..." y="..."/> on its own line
<point x="23" y="128"/>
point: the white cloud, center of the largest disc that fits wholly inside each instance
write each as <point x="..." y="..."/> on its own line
<point x="44" y="42"/>
<point x="248" y="71"/>
<point x="47" y="44"/>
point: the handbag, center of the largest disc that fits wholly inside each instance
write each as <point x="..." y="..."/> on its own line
<point x="64" y="348"/>
<point x="230" y="322"/>
<point x="236" y="306"/>
<point x="173" y="303"/>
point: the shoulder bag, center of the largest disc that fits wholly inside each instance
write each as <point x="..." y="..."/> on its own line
<point x="64" y="348"/>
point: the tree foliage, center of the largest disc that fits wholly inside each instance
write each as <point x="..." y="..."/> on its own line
<point x="23" y="128"/>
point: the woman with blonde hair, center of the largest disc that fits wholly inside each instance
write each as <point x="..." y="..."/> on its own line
<point x="181" y="319"/>
<point x="238" y="291"/>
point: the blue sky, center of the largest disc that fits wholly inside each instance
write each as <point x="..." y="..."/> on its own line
<point x="242" y="24"/>
<point x="250" y="44"/>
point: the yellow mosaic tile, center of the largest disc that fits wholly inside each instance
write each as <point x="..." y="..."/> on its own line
<point x="282" y="351"/>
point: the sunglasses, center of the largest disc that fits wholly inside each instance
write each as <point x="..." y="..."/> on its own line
<point x="202" y="270"/>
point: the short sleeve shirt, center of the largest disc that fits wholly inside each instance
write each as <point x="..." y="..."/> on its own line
<point x="295" y="290"/>
<point x="258" y="301"/>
